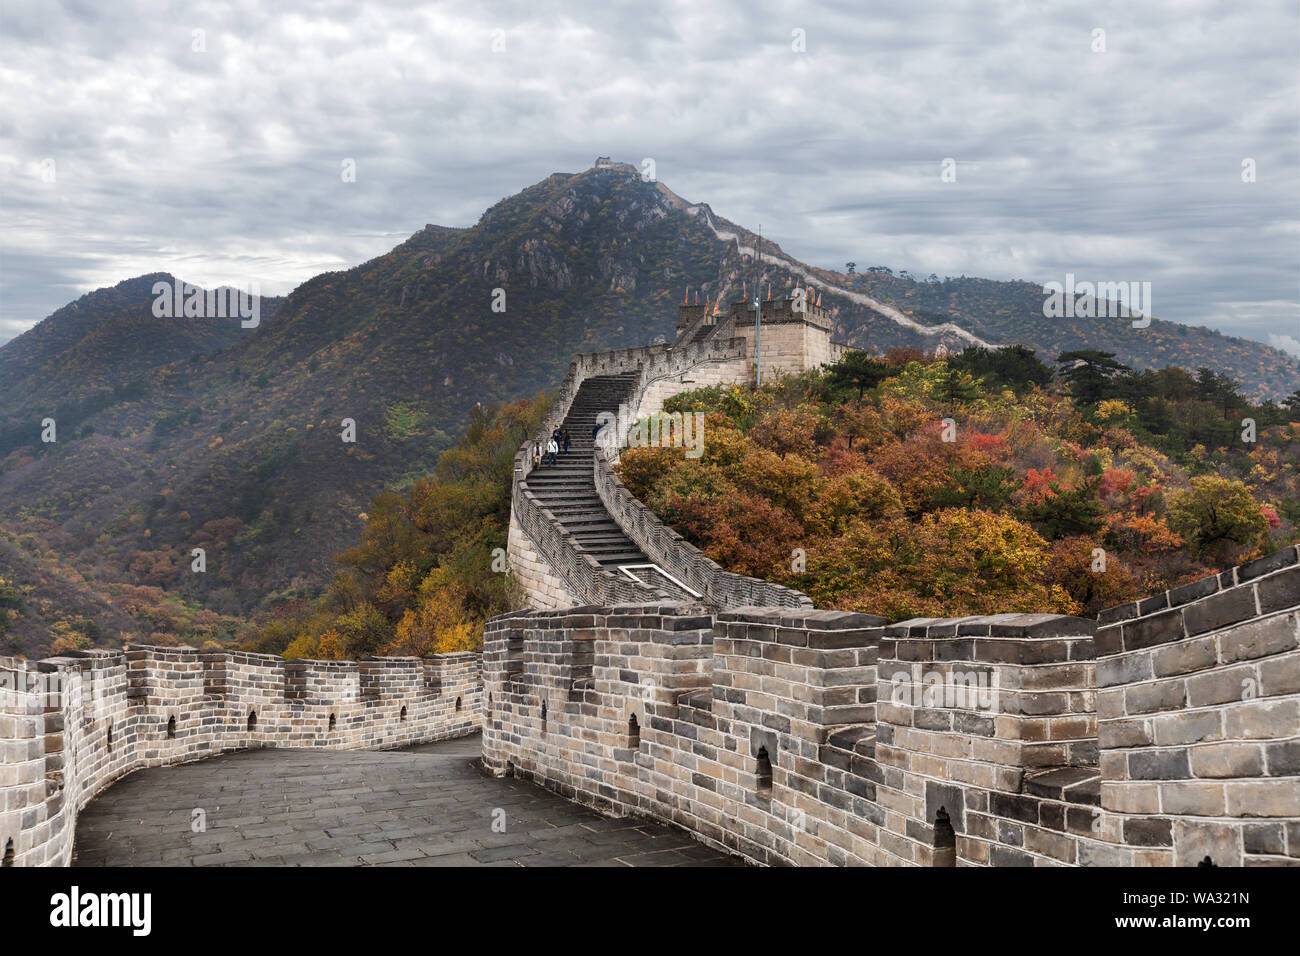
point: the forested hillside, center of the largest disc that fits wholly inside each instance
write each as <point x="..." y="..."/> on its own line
<point x="982" y="483"/>
<point x="174" y="435"/>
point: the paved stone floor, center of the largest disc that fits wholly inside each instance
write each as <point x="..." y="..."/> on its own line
<point x="424" y="806"/>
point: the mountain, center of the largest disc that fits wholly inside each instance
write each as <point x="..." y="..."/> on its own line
<point x="878" y="310"/>
<point x="175" y="435"/>
<point x="96" y="351"/>
<point x="104" y="340"/>
<point x="1012" y="312"/>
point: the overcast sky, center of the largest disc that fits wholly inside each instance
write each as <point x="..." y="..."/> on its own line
<point x="217" y="155"/>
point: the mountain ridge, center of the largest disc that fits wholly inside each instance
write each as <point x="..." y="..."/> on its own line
<point x="234" y="443"/>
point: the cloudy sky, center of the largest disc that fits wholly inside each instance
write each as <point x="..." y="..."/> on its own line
<point x="207" y="139"/>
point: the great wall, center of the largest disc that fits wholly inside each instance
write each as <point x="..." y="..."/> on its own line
<point x="644" y="680"/>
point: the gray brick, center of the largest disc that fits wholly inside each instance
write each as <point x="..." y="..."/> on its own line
<point x="1221" y="686"/>
<point x="1279" y="591"/>
<point x="1150" y="698"/>
<point x="1190" y="654"/>
<point x="1161" y="628"/>
<point x="1261" y="638"/>
<point x="1158" y="764"/>
<point x="1220" y="610"/>
<point x="1227" y="760"/>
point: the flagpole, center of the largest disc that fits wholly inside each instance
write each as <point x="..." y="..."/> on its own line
<point x="758" y="314"/>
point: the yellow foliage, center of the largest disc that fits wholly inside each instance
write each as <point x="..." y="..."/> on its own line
<point x="1113" y="411"/>
<point x="439" y="623"/>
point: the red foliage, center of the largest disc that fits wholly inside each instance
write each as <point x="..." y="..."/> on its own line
<point x="1145" y="497"/>
<point x="994" y="445"/>
<point x="899" y="356"/>
<point x="1116" y="481"/>
<point x="744" y="533"/>
<point x="839" y="459"/>
<point x="1037" y="484"/>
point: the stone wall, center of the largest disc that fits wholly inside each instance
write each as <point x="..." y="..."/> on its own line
<point x="551" y="572"/>
<point x="1165" y="735"/>
<point x="660" y="390"/>
<point x="1199" y="714"/>
<point x="578" y="576"/>
<point x="788" y="347"/>
<point x="683" y="560"/>
<point x="534" y="577"/>
<point x="71" y="726"/>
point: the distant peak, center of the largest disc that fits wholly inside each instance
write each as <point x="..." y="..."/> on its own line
<point x="604" y="162"/>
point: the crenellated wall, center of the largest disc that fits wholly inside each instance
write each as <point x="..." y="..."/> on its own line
<point x="668" y="549"/>
<point x="550" y="570"/>
<point x="710" y="349"/>
<point x="1162" y="735"/>
<point x="1199" y="714"/>
<point x="71" y="726"/>
<point x="1166" y="733"/>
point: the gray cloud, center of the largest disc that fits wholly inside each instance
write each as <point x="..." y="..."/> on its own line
<point x="223" y="165"/>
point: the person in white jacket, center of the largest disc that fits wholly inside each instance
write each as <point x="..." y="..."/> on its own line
<point x="552" y="449"/>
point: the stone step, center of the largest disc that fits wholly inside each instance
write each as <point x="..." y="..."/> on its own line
<point x="612" y="562"/>
<point x="596" y="520"/>
<point x="559" y="472"/>
<point x="610" y="547"/>
<point x="595" y="525"/>
<point x="567" y="489"/>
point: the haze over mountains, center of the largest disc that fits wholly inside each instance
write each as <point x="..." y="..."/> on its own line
<point x="183" y="433"/>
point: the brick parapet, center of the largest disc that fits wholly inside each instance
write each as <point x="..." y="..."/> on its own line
<point x="815" y="737"/>
<point x="584" y="580"/>
<point x="1199" y="714"/>
<point x="70" y="726"/>
<point x="667" y="548"/>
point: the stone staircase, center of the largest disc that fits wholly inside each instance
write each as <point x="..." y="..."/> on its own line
<point x="568" y="490"/>
<point x="704" y="331"/>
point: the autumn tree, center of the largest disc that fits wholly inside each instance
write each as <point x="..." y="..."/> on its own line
<point x="1215" y="511"/>
<point x="857" y="370"/>
<point x="1089" y="373"/>
<point x="955" y="387"/>
<point x="1014" y="366"/>
<point x="1061" y="512"/>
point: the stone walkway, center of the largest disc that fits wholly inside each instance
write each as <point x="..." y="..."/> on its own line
<point x="424" y="806"/>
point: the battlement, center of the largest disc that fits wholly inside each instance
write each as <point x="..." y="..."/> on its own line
<point x="1166" y="732"/>
<point x="1162" y="735"/>
<point x="712" y="347"/>
<point x="72" y="725"/>
<point x="696" y="320"/>
<point x="784" y="310"/>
